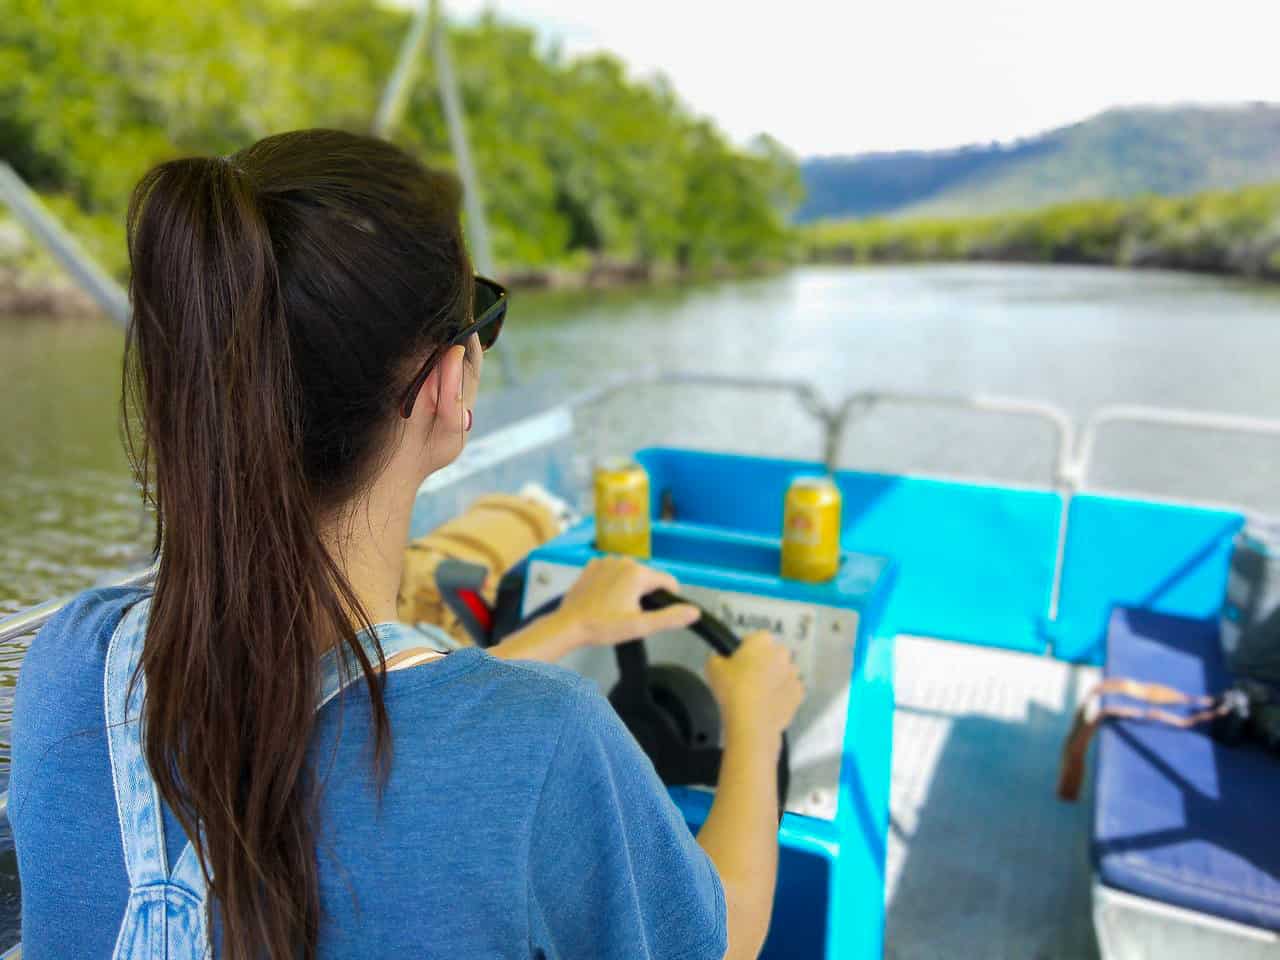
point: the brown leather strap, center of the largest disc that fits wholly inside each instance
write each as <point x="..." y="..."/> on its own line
<point x="1074" y="752"/>
<point x="1092" y="712"/>
<point x="1154" y="693"/>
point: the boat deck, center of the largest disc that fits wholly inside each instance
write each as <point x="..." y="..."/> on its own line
<point x="983" y="860"/>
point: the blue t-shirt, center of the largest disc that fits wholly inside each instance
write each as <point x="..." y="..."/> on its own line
<point x="520" y="818"/>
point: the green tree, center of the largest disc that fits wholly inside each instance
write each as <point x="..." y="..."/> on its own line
<point x="578" y="160"/>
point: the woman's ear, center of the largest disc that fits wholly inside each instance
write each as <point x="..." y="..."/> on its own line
<point x="441" y="393"/>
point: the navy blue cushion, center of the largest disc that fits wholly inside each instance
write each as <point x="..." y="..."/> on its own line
<point x="1180" y="818"/>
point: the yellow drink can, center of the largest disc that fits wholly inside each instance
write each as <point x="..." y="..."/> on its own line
<point x="811" y="530"/>
<point x="622" y="507"/>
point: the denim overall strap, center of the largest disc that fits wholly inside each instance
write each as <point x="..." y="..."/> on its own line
<point x="165" y="915"/>
<point x="394" y="638"/>
<point x="163" y="918"/>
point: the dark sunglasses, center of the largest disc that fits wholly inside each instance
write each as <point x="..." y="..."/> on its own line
<point x="489" y="307"/>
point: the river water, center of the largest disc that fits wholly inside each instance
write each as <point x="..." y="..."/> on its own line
<point x="1081" y="338"/>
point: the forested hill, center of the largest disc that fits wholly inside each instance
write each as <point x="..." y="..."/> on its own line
<point x="1119" y="153"/>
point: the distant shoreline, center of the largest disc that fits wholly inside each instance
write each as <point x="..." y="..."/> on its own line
<point x="1227" y="233"/>
<point x="31" y="294"/>
<point x="1151" y="263"/>
<point x="1232" y="233"/>
<point x="46" y="299"/>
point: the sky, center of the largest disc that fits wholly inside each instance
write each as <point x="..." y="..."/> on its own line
<point x="826" y="77"/>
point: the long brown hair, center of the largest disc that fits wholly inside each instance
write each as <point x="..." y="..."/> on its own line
<point x="281" y="299"/>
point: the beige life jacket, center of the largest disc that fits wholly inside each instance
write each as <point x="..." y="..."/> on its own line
<point x="495" y="532"/>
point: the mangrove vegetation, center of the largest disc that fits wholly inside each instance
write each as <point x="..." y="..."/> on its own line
<point x="1229" y="232"/>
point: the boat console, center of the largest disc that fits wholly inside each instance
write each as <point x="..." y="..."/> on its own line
<point x="836" y="813"/>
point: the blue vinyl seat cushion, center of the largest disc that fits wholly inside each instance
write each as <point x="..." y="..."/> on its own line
<point x="1180" y="818"/>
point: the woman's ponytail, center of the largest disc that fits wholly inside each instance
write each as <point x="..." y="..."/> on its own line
<point x="247" y="595"/>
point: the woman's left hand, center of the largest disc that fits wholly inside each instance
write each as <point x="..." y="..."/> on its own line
<point x="604" y="603"/>
<point x="601" y="609"/>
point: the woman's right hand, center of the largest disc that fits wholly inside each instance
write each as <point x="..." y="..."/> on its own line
<point x="758" y="688"/>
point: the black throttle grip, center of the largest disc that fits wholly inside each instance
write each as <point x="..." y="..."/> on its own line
<point x="717" y="636"/>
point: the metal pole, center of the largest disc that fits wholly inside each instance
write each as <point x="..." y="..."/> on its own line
<point x="478" y="224"/>
<point x="429" y="22"/>
<point x="473" y="197"/>
<point x="396" y="93"/>
<point x="32" y="214"/>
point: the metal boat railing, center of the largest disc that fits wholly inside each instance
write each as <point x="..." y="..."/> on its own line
<point x="1166" y="417"/>
<point x="836" y="418"/>
<point x="1070" y="474"/>
<point x="31" y="619"/>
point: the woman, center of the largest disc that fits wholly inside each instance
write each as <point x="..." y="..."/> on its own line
<point x="314" y="781"/>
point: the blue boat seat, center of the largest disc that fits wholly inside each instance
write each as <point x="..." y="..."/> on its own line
<point x="1179" y="818"/>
